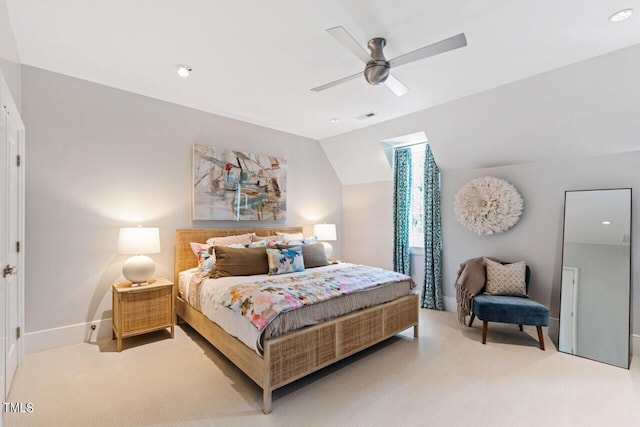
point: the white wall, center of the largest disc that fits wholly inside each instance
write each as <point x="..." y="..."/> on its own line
<point x="585" y="109"/>
<point x="99" y="158"/>
<point x="537" y="238"/>
<point x="9" y="58"/>
<point x="564" y="116"/>
<point x="368" y="224"/>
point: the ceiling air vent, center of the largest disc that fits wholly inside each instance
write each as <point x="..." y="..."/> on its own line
<point x="366" y="115"/>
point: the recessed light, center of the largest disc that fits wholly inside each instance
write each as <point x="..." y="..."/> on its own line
<point x="606" y="222"/>
<point x="184" y="70"/>
<point x="621" y="15"/>
<point x="335" y="120"/>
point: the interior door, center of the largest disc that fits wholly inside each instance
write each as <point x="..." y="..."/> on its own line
<point x="12" y="270"/>
<point x="3" y="293"/>
<point x="568" y="309"/>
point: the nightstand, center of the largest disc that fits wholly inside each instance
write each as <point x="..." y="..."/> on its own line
<point x="141" y="309"/>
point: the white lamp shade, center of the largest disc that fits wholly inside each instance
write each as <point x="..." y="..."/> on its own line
<point x="325" y="232"/>
<point x="139" y="240"/>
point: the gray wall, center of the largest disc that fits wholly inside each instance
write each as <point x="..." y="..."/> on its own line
<point x="602" y="322"/>
<point x="100" y="158"/>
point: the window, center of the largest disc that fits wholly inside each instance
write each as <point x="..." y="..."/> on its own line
<point x="417" y="141"/>
<point x="416" y="221"/>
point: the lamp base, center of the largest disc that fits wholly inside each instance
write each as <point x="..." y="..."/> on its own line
<point x="138" y="269"/>
<point x="328" y="249"/>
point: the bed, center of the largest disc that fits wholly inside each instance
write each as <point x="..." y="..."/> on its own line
<point x="291" y="356"/>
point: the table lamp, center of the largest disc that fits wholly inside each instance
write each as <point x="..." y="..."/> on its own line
<point x="139" y="241"/>
<point x="326" y="232"/>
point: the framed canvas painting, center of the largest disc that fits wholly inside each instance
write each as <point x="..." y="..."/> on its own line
<point x="232" y="185"/>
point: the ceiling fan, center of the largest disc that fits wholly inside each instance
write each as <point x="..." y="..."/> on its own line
<point x="377" y="67"/>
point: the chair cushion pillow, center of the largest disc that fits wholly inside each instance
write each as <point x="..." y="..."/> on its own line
<point x="507" y="279"/>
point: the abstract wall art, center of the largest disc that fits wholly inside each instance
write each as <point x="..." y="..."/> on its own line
<point x="231" y="185"/>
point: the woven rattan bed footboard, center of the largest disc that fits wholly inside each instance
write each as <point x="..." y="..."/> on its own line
<point x="292" y="356"/>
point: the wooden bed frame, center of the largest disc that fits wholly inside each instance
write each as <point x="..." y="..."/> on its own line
<point x="292" y="356"/>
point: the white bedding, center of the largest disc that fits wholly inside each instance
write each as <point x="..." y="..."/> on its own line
<point x="232" y="322"/>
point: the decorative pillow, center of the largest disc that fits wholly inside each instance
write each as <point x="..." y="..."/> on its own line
<point x="243" y="239"/>
<point x="239" y="261"/>
<point x="287" y="260"/>
<point x="287" y="237"/>
<point x="237" y="245"/>
<point x="306" y="241"/>
<point x="201" y="250"/>
<point x="255" y="238"/>
<point x="206" y="258"/>
<point x="507" y="279"/>
<point x="314" y="255"/>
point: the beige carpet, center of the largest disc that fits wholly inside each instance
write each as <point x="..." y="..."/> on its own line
<point x="446" y="377"/>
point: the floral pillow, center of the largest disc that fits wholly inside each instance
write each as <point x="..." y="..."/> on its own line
<point x="263" y="244"/>
<point x="206" y="257"/>
<point x="290" y="237"/>
<point x="283" y="261"/>
<point x="201" y="250"/>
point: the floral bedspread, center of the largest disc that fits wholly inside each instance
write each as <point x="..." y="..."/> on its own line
<point x="261" y="301"/>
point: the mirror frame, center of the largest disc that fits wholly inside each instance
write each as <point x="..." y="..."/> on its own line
<point x="630" y="283"/>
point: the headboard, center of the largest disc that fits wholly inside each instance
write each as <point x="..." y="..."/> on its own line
<point x="184" y="258"/>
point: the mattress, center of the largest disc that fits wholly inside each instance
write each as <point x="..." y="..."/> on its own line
<point x="209" y="293"/>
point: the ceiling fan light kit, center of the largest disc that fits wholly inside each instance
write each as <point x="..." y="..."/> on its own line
<point x="377" y="69"/>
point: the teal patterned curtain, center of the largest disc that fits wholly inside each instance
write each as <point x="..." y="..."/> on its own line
<point x="401" y="208"/>
<point x="432" y="287"/>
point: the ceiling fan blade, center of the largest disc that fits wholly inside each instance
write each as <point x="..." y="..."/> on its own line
<point x="395" y="85"/>
<point x="337" y="82"/>
<point x="347" y="40"/>
<point x="442" y="46"/>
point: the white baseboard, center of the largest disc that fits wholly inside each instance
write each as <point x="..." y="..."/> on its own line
<point x="66" y="335"/>
<point x="82" y="332"/>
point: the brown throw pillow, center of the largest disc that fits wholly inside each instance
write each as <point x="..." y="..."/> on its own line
<point x="507" y="279"/>
<point x="314" y="255"/>
<point x="240" y="261"/>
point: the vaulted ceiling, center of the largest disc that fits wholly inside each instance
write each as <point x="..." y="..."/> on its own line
<point x="257" y="60"/>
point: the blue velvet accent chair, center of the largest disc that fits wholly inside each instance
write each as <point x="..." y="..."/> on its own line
<point x="510" y="309"/>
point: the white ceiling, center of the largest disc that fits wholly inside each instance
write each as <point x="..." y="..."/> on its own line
<point x="256" y="60"/>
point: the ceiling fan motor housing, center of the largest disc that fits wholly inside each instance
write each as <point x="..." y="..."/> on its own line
<point x="377" y="69"/>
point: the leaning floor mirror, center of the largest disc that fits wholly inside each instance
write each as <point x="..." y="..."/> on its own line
<point x="596" y="275"/>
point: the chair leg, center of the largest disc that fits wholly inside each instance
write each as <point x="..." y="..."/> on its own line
<point x="484" y="331"/>
<point x="540" y="337"/>
<point x="473" y="316"/>
<point x="520" y="328"/>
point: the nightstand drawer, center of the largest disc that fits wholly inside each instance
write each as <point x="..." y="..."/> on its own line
<point x="146" y="310"/>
